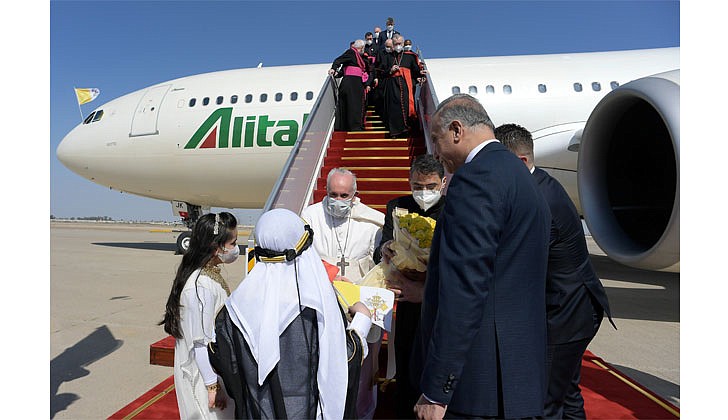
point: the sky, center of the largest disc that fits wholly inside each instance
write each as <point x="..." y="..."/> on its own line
<point x="120" y="47"/>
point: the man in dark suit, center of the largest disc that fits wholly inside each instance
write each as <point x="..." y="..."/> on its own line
<point x="388" y="32"/>
<point x="575" y="298"/>
<point x="426" y="178"/>
<point x="483" y="322"/>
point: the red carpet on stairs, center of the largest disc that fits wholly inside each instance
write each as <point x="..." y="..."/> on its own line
<point x="608" y="394"/>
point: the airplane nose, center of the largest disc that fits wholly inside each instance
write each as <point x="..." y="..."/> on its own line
<point x="70" y="152"/>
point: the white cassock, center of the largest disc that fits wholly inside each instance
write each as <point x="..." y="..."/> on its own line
<point x="355" y="238"/>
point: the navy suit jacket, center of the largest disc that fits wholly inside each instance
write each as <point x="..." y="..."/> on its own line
<point x="483" y="328"/>
<point x="574" y="293"/>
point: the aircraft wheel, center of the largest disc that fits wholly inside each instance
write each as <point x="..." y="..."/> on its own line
<point x="183" y="242"/>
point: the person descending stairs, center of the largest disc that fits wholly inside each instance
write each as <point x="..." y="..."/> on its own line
<point x="381" y="164"/>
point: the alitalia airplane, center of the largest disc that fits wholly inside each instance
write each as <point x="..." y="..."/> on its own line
<point x="600" y="121"/>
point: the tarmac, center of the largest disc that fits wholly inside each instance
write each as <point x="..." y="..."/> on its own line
<point x="109" y="284"/>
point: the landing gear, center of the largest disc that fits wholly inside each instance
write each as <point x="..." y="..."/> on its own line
<point x="183" y="242"/>
<point x="189" y="214"/>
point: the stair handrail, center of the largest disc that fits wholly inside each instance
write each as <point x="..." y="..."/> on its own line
<point x="322" y="116"/>
<point x="427" y="103"/>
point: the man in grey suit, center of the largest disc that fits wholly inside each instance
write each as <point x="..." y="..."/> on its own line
<point x="575" y="298"/>
<point x="482" y="339"/>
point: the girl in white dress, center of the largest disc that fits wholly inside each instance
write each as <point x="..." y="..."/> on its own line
<point x="198" y="293"/>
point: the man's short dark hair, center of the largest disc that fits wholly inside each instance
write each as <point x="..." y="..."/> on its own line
<point x="426" y="165"/>
<point x="516" y="138"/>
<point x="367" y="34"/>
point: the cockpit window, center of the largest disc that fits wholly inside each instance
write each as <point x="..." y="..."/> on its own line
<point x="94" y="116"/>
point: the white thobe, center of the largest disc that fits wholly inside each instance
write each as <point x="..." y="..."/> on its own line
<point x="200" y="301"/>
<point x="364" y="231"/>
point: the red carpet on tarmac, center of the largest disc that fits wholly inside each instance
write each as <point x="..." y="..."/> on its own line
<point x="608" y="394"/>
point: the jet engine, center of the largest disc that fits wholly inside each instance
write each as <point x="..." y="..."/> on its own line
<point x="629" y="173"/>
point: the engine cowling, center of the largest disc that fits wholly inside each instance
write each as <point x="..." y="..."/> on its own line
<point x="629" y="173"/>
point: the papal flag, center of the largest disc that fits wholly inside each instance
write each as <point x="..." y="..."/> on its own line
<point x="86" y="95"/>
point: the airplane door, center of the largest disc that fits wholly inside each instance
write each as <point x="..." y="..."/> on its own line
<point x="145" y="118"/>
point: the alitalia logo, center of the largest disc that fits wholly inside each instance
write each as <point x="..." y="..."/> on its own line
<point x="250" y="131"/>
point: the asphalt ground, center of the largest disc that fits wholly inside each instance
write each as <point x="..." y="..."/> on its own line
<point x="109" y="284"/>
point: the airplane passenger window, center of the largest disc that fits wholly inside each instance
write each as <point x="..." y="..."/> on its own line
<point x="98" y="115"/>
<point x="489" y="89"/>
<point x="193" y="101"/>
<point x="507" y="89"/>
<point x="473" y="90"/>
<point x="205" y="101"/>
<point x="88" y="119"/>
<point x="309" y="95"/>
<point x="294" y="96"/>
<point x="263" y="97"/>
<point x="455" y="90"/>
<point x="234" y="99"/>
<point x="596" y="86"/>
<point x="614" y="85"/>
<point x="577" y="87"/>
<point x="279" y="97"/>
<point x="219" y="100"/>
<point x="248" y="98"/>
<point x="542" y="88"/>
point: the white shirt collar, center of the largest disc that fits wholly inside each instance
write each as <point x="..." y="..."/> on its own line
<point x="477" y="148"/>
<point x="533" y="168"/>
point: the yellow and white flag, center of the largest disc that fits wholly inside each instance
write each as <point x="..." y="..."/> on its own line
<point x="85" y="95"/>
<point x="379" y="301"/>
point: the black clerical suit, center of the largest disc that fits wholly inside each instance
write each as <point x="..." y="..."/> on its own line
<point x="407" y="319"/>
<point x="483" y="324"/>
<point x="290" y="391"/>
<point x="575" y="301"/>
<point x="351" y="105"/>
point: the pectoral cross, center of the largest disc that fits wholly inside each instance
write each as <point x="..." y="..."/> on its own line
<point x="342" y="265"/>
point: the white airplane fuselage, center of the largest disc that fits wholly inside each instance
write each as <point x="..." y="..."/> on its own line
<point x="152" y="142"/>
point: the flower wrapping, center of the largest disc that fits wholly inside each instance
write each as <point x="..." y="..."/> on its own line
<point x="412" y="240"/>
<point x="411" y="244"/>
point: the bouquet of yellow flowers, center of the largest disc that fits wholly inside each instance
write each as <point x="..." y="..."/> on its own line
<point x="411" y="246"/>
<point x="412" y="240"/>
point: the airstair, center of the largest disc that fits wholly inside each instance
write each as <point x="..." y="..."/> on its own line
<point x="380" y="163"/>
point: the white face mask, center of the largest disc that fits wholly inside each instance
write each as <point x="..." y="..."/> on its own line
<point x="408" y="48"/>
<point x="398" y="48"/>
<point x="229" y="255"/>
<point x="426" y="198"/>
<point x="390" y="28"/>
<point x="369" y="42"/>
<point x="376" y="35"/>
<point x="388" y="49"/>
<point x="337" y="208"/>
